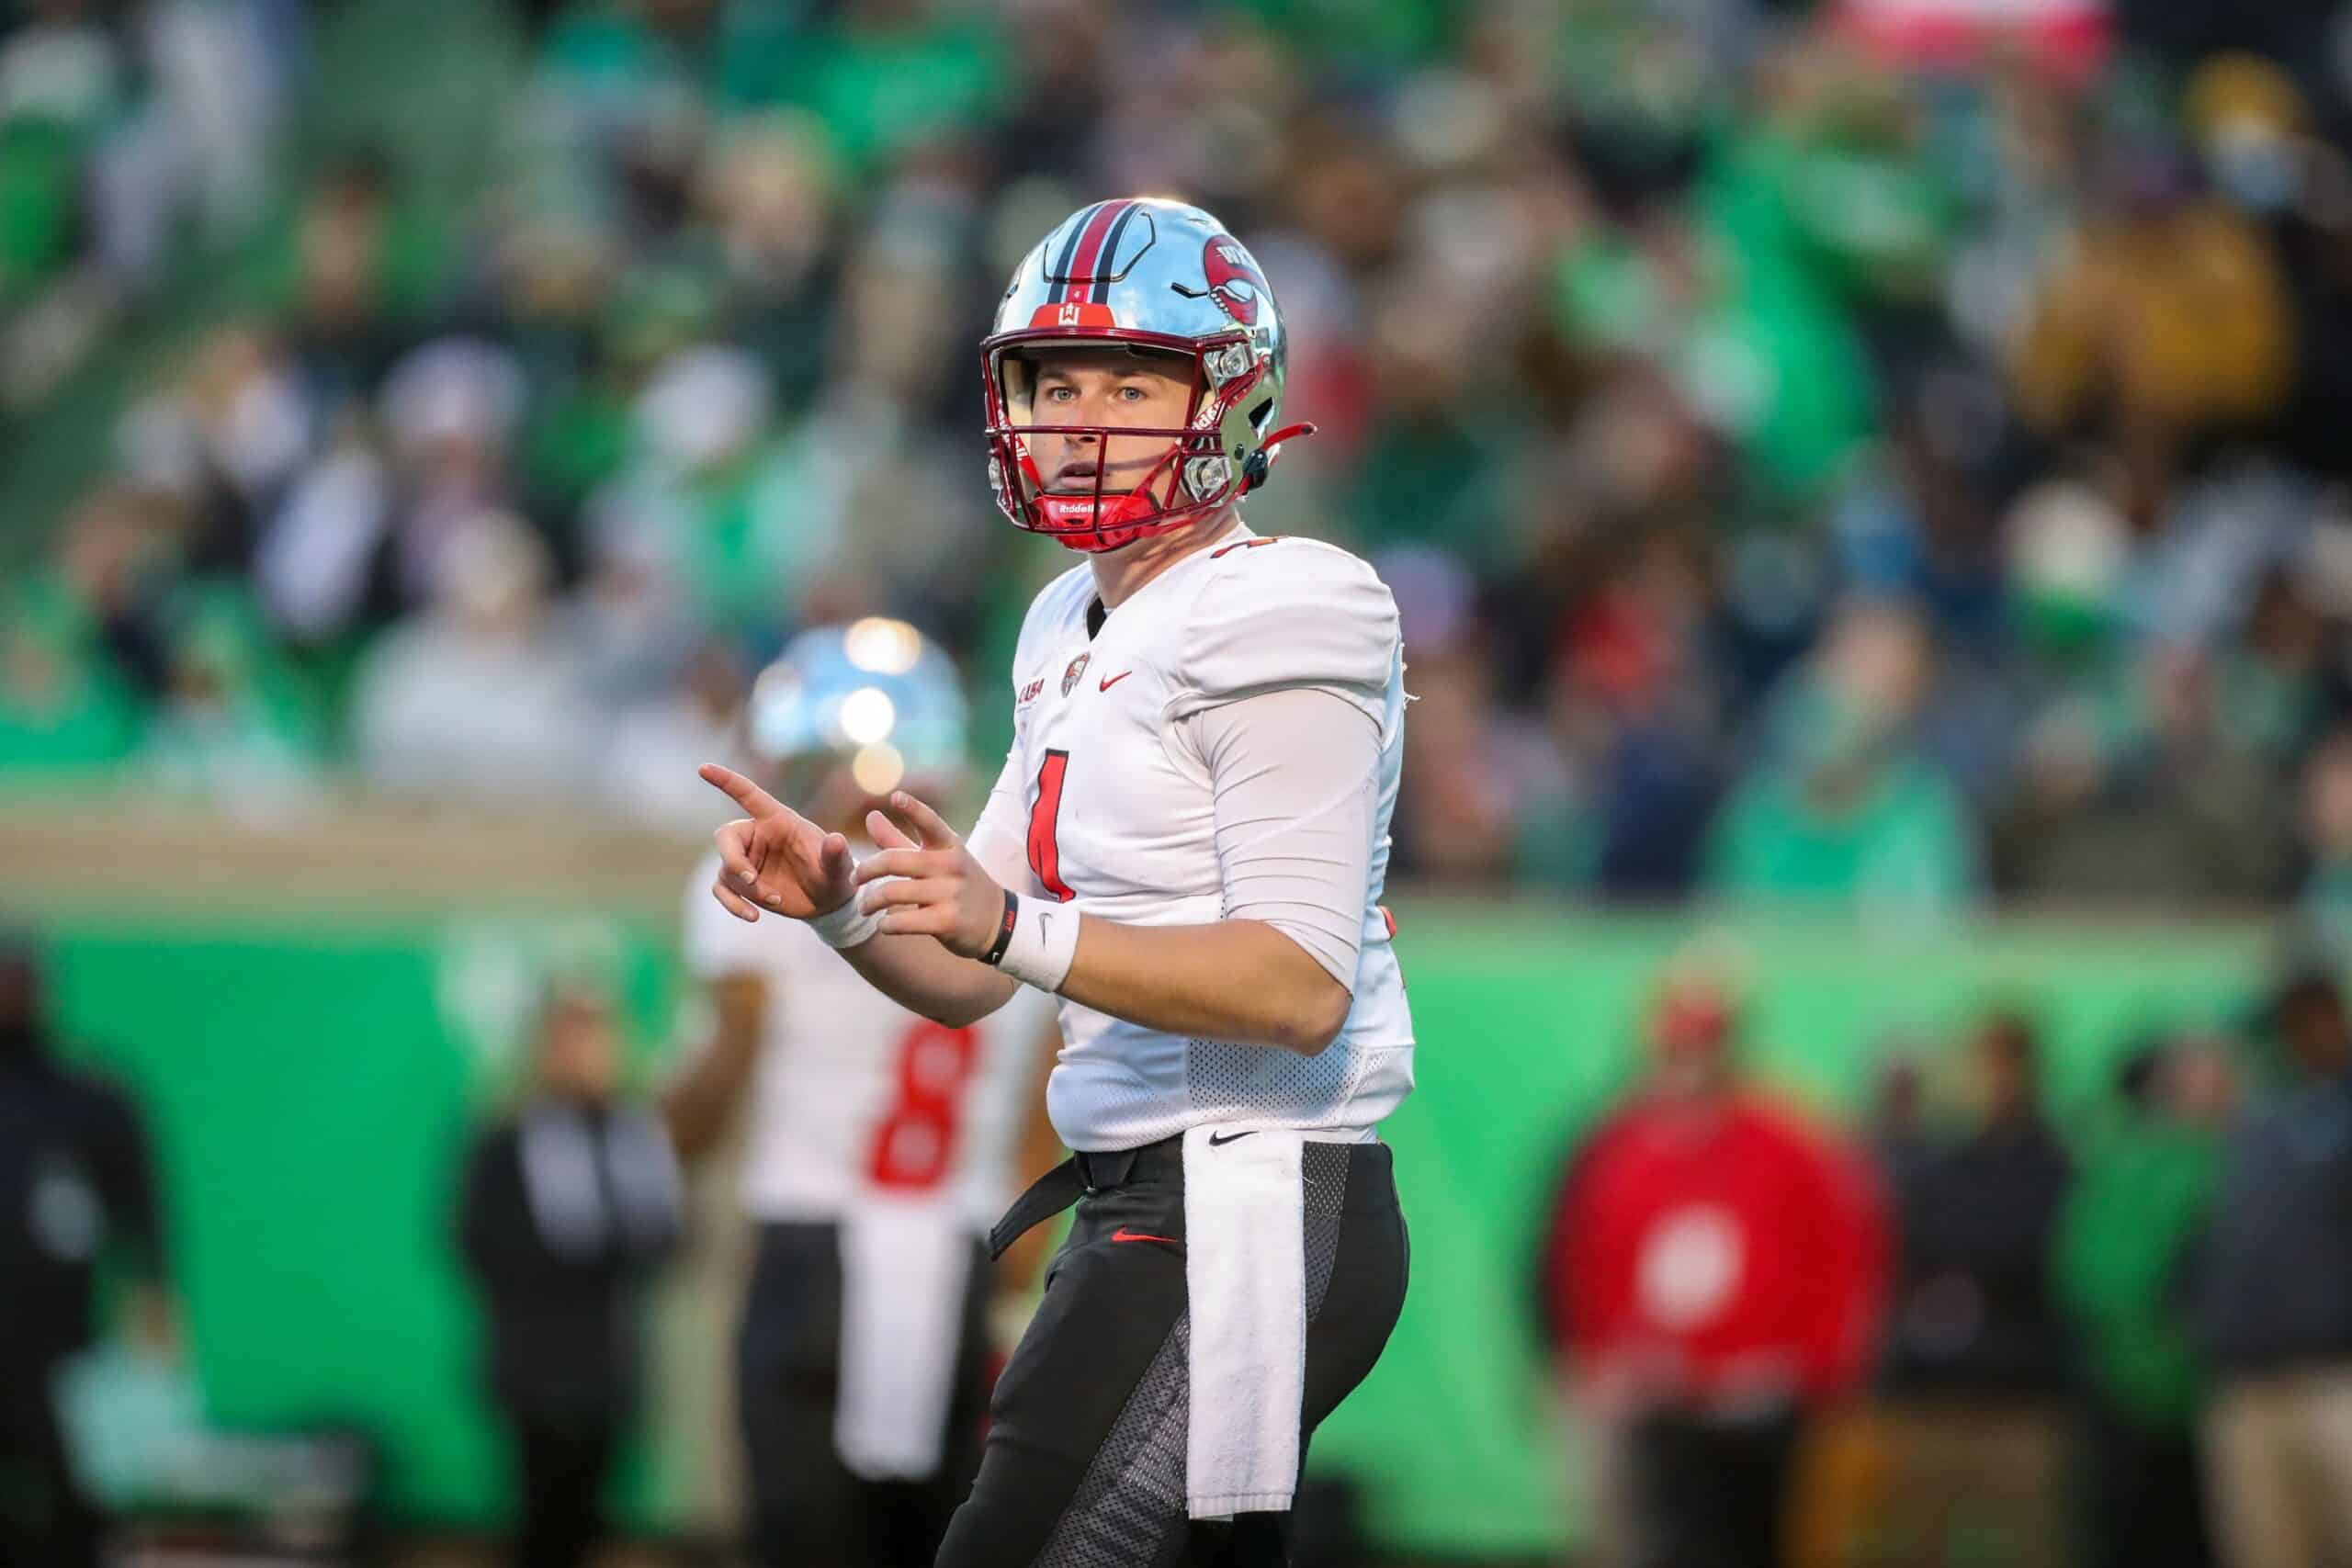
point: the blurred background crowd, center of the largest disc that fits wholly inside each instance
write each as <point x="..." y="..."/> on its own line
<point x="1842" y="451"/>
<point x="1884" y="453"/>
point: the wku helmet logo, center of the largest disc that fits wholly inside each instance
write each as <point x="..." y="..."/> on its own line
<point x="1233" y="277"/>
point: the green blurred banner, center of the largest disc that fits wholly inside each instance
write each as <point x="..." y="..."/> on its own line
<point x="311" y="1084"/>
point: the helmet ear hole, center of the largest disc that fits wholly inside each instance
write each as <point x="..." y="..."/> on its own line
<point x="1257" y="415"/>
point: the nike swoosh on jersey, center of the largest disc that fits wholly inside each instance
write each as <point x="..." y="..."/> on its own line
<point x="1111" y="681"/>
<point x="1217" y="1143"/>
<point x="1124" y="1233"/>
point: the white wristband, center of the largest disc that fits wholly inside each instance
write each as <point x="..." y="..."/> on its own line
<point x="1043" y="943"/>
<point x="848" y="926"/>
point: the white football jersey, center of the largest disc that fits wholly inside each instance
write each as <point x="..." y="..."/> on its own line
<point x="854" y="1094"/>
<point x="1119" y="820"/>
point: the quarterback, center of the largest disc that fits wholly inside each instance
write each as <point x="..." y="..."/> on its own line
<point x="1186" y="847"/>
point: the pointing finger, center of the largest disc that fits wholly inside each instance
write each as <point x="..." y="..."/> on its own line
<point x="755" y="801"/>
<point x="888" y="834"/>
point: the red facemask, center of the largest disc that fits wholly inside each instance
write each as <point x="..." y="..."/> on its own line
<point x="1098" y="520"/>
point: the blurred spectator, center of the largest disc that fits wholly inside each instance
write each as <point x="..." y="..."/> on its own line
<point x="2167" y="320"/>
<point x="76" y="1182"/>
<point x="699" y="497"/>
<point x="2151" y="799"/>
<point x="656" y="744"/>
<point x="232" y="730"/>
<point x="2274" y="1301"/>
<point x="61" y="89"/>
<point x="1843" y="807"/>
<point x="1488" y="793"/>
<point x="72" y="631"/>
<point x="1979" y="1360"/>
<point x="224" y="436"/>
<point x="356" y="266"/>
<point x="1715" y="1271"/>
<point x="2148" y="1173"/>
<point x="479" y="698"/>
<point x="2327" y="898"/>
<point x="568" y="1208"/>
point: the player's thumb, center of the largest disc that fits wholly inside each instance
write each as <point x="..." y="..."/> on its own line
<point x="888" y="834"/>
<point x="833" y="858"/>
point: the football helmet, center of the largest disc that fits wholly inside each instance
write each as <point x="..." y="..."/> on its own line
<point x="1157" y="275"/>
<point x="876" y="694"/>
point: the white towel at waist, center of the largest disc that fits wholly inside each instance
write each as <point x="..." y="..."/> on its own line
<point x="906" y="1262"/>
<point x="1245" y="1278"/>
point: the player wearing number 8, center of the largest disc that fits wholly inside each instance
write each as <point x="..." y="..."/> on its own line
<point x="880" y="1144"/>
<point x="1187" y="846"/>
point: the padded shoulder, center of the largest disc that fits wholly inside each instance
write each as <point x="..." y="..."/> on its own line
<point x="1282" y="611"/>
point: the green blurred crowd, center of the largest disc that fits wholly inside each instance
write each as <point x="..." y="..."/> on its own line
<point x="1819" y="452"/>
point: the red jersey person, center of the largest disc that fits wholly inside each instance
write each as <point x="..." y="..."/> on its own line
<point x="1716" y="1266"/>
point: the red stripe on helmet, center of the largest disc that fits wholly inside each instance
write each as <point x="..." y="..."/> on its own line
<point x="1108" y="262"/>
<point x="1089" y="244"/>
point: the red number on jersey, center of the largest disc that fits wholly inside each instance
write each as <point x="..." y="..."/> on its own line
<point x="914" y="1143"/>
<point x="1044" y="819"/>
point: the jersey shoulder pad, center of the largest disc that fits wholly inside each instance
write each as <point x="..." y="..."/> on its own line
<point x="1282" y="612"/>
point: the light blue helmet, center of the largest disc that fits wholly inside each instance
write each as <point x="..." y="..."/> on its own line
<point x="1154" y="276"/>
<point x="876" y="694"/>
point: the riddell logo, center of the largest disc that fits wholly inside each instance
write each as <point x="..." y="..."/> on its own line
<point x="1233" y="279"/>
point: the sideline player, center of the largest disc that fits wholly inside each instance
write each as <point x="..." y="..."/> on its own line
<point x="1187" y="845"/>
<point x="881" y="1145"/>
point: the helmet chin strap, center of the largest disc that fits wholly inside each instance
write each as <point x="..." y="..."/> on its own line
<point x="1260" y="465"/>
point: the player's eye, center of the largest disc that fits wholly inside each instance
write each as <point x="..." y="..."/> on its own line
<point x="1131" y="394"/>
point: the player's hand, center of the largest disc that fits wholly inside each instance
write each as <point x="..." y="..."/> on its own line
<point x="774" y="858"/>
<point x="944" y="892"/>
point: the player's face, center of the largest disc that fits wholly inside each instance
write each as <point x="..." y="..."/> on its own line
<point x="1115" y="390"/>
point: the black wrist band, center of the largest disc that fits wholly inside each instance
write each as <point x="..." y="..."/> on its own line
<point x="1004" y="930"/>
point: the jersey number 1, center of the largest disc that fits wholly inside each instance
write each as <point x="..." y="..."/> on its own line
<point x="1044" y="819"/>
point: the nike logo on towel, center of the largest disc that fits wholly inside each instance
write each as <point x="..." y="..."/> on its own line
<point x="1111" y="681"/>
<point x="1218" y="1143"/>
<point x="1124" y="1233"/>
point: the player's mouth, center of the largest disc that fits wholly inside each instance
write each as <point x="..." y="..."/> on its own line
<point x="1075" y="476"/>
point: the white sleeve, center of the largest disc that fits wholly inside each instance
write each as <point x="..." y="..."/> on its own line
<point x="1294" y="778"/>
<point x="999" y="840"/>
<point x="714" y="944"/>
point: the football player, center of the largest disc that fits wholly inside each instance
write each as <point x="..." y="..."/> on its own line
<point x="1186" y="846"/>
<point x="882" y="1143"/>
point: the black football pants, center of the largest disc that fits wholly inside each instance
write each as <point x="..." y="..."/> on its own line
<point x="1084" y="1466"/>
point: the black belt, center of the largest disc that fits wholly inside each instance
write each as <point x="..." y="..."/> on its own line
<point x="1078" y="1177"/>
